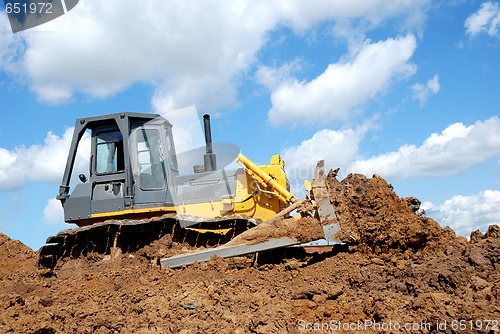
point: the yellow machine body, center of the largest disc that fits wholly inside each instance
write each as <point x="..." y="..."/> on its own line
<point x="261" y="192"/>
<point x="268" y="183"/>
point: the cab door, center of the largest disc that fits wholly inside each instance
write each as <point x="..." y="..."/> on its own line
<point x="108" y="171"/>
<point x="149" y="165"/>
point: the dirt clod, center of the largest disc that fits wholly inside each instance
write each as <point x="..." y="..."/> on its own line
<point x="303" y="230"/>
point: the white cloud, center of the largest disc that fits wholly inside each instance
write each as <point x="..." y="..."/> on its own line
<point x="465" y="214"/>
<point x="10" y="46"/>
<point x="301" y="14"/>
<point x="337" y="148"/>
<point x="272" y="77"/>
<point x="11" y="176"/>
<point x="53" y="212"/>
<point x="6" y="39"/>
<point x="187" y="130"/>
<point x="344" y="86"/>
<point x="457" y="148"/>
<point x="42" y="163"/>
<point x="423" y="92"/>
<point x="486" y="19"/>
<point x="193" y="53"/>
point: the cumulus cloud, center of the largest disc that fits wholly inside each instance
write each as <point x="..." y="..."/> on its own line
<point x="10" y="46"/>
<point x="465" y="214"/>
<point x="301" y="15"/>
<point x="456" y="148"/>
<point x="189" y="50"/>
<point x="192" y="53"/>
<point x="344" y="86"/>
<point x="486" y="19"/>
<point x="272" y="77"/>
<point x="187" y="130"/>
<point x="6" y="39"/>
<point x="423" y="92"/>
<point x="42" y="163"/>
<point x="53" y="212"/>
<point x="337" y="147"/>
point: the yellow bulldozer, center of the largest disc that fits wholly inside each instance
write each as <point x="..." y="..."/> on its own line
<point x="138" y="190"/>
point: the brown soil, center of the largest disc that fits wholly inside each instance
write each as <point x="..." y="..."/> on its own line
<point x="396" y="267"/>
<point x="15" y="257"/>
<point x="378" y="222"/>
<point x="302" y="230"/>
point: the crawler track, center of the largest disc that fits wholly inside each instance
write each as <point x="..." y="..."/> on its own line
<point x="131" y="235"/>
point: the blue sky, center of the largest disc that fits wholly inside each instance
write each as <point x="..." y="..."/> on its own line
<point x="405" y="89"/>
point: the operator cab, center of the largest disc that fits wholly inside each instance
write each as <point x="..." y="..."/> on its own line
<point x="132" y="164"/>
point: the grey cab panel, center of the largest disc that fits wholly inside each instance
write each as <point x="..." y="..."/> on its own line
<point x="108" y="197"/>
<point x="77" y="206"/>
<point x="207" y="186"/>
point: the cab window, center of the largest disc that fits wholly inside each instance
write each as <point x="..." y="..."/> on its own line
<point x="171" y="151"/>
<point x="109" y="153"/>
<point x="149" y="156"/>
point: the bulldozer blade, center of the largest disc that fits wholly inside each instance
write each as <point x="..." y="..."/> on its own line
<point x="320" y="193"/>
<point x="225" y="252"/>
<point x="326" y="211"/>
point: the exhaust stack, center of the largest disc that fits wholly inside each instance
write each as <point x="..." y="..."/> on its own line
<point x="209" y="157"/>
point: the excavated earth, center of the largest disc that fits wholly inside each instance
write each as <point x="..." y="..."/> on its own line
<point x="397" y="268"/>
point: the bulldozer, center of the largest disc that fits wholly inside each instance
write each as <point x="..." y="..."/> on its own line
<point x="138" y="190"/>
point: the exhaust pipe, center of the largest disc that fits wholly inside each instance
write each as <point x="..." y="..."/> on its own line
<point x="209" y="157"/>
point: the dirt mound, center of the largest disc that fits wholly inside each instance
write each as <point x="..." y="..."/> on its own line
<point x="461" y="283"/>
<point x="376" y="220"/>
<point x="15" y="256"/>
<point x="397" y="269"/>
